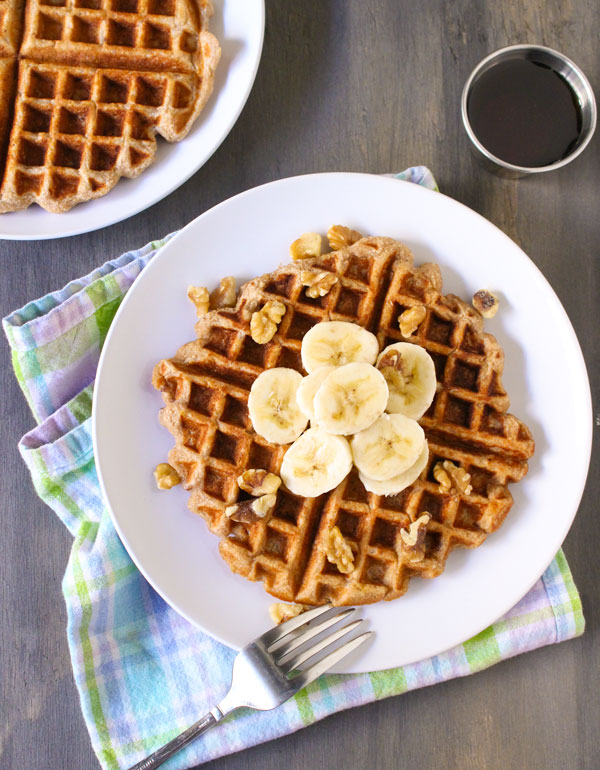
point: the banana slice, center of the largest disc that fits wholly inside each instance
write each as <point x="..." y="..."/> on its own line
<point x="388" y="448"/>
<point x="335" y="343"/>
<point x="273" y="406"/>
<point x="410" y="374"/>
<point x="308" y="389"/>
<point x="350" y="399"/>
<point x="316" y="463"/>
<point x="397" y="483"/>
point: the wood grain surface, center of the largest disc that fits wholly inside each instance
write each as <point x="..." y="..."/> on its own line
<point x="358" y="86"/>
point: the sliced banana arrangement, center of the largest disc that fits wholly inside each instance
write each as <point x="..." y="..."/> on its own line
<point x="345" y="394"/>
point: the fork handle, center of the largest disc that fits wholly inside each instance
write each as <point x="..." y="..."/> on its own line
<point x="187" y="736"/>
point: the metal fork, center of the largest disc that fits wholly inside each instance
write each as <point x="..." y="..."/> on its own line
<point x="266" y="673"/>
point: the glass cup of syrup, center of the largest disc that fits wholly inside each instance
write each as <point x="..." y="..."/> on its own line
<point x="527" y="109"/>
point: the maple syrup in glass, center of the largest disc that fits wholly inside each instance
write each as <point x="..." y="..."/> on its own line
<point x="524" y="113"/>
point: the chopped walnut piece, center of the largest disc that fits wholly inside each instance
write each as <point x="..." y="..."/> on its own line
<point x="259" y="482"/>
<point x="263" y="505"/>
<point x="280" y="612"/>
<point x="306" y="246"/>
<point x="452" y="478"/>
<point x="413" y="538"/>
<point x="392" y="359"/>
<point x="263" y="323"/>
<point x="274" y="310"/>
<point x="393" y="368"/>
<point x="486" y="303"/>
<point x="239" y="533"/>
<point x="461" y="479"/>
<point x="319" y="284"/>
<point x="166" y="476"/>
<point x="410" y="319"/>
<point x="340" y="237"/>
<point x="442" y="478"/>
<point x="225" y="295"/>
<point x="338" y="551"/>
<point x="262" y="329"/>
<point x="200" y="297"/>
<point x="249" y="511"/>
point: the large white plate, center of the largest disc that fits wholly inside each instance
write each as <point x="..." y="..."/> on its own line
<point x="239" y="27"/>
<point x="250" y="234"/>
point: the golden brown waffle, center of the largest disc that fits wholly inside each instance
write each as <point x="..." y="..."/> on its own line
<point x="98" y="80"/>
<point x="205" y="387"/>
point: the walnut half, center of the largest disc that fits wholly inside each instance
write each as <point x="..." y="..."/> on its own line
<point x="410" y="320"/>
<point x="262" y="329"/>
<point x="338" y="551"/>
<point x="319" y="284"/>
<point x="264" y="322"/>
<point x="452" y="478"/>
<point x="341" y="237"/>
<point x="274" y="310"/>
<point x="259" y="482"/>
<point x="200" y="297"/>
<point x="250" y="511"/>
<point x="225" y="295"/>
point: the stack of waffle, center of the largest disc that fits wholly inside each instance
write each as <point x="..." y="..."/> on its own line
<point x="206" y="384"/>
<point x="85" y="86"/>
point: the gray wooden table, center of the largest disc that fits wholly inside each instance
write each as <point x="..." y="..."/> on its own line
<point x="358" y="86"/>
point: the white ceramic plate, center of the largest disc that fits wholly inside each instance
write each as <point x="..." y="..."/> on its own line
<point x="250" y="234"/>
<point x="239" y="27"/>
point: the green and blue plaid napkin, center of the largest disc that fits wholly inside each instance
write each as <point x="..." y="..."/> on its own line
<point x="143" y="672"/>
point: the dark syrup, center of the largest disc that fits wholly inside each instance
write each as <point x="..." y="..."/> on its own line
<point x="524" y="113"/>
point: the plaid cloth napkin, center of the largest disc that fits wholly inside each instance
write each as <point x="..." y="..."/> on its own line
<point x="143" y="672"/>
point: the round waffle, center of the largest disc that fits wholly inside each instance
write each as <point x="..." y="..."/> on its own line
<point x="206" y="384"/>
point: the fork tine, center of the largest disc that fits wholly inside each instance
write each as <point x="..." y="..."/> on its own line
<point x="302" y="657"/>
<point x="321" y="625"/>
<point x="275" y="634"/>
<point x="310" y="674"/>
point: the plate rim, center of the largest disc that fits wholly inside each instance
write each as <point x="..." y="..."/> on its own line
<point x="510" y="602"/>
<point x="163" y="192"/>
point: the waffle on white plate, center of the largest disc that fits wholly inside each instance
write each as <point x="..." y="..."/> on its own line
<point x="206" y="384"/>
